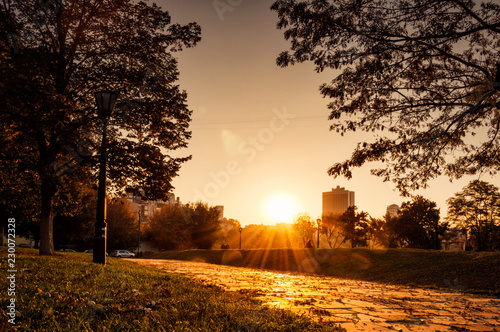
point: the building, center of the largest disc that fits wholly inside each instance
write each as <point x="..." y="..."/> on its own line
<point x="220" y="208"/>
<point x="393" y="210"/>
<point x="337" y="201"/>
<point x="147" y="208"/>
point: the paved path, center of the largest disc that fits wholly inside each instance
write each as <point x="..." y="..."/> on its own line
<point x="357" y="305"/>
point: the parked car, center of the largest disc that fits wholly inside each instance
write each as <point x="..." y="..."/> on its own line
<point x="122" y="254"/>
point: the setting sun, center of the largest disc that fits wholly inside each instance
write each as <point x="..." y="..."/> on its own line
<point x="280" y="207"/>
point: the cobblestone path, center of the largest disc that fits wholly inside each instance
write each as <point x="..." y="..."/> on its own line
<point x="357" y="305"/>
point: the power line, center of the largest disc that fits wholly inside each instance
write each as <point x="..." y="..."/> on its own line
<point x="249" y="123"/>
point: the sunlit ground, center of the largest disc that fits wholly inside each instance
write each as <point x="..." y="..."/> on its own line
<point x="357" y="305"/>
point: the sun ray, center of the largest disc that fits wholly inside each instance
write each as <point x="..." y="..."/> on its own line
<point x="280" y="207"/>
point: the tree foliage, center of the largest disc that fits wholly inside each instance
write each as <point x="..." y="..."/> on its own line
<point x="417" y="226"/>
<point x="177" y="226"/>
<point x="330" y="228"/>
<point x="376" y="233"/>
<point x="477" y="209"/>
<point x="422" y="74"/>
<point x="305" y="228"/>
<point x="75" y="218"/>
<point x="123" y="225"/>
<point x="354" y="226"/>
<point x="53" y="55"/>
<point x="168" y="228"/>
<point x="205" y="221"/>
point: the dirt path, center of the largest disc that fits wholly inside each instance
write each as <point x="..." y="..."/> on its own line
<point x="357" y="305"/>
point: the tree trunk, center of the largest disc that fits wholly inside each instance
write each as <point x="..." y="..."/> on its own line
<point x="46" y="227"/>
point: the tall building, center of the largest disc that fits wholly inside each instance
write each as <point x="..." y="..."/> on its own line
<point x="393" y="210"/>
<point x="220" y="208"/>
<point x="337" y="201"/>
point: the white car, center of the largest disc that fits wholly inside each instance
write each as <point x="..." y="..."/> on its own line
<point x="122" y="254"/>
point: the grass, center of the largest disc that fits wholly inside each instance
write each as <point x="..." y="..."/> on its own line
<point x="474" y="272"/>
<point x="68" y="292"/>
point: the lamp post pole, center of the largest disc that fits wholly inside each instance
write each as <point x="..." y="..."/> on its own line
<point x="105" y="103"/>
<point x="318" y="221"/>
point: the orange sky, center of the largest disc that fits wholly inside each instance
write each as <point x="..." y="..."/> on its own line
<point x="259" y="129"/>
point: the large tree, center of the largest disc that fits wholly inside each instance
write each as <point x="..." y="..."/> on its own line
<point x="123" y="226"/>
<point x="53" y="55"/>
<point x="170" y="227"/>
<point x="304" y="227"/>
<point x="354" y="227"/>
<point x="424" y="74"/>
<point x="205" y="224"/>
<point x="330" y="226"/>
<point x="477" y="209"/>
<point x="418" y="225"/>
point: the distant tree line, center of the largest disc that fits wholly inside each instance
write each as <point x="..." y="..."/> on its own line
<point x="473" y="213"/>
<point x="416" y="226"/>
<point x="185" y="226"/>
<point x="174" y="227"/>
<point x="473" y="217"/>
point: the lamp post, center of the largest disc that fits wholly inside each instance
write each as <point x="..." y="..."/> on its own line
<point x="318" y="221"/>
<point x="105" y="103"/>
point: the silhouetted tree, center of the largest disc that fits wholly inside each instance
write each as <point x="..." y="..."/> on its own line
<point x="376" y="233"/>
<point x="205" y="225"/>
<point x="391" y="227"/>
<point x="424" y="72"/>
<point x="170" y="227"/>
<point x="229" y="232"/>
<point x="305" y="228"/>
<point x="123" y="225"/>
<point x="74" y="226"/>
<point x="417" y="225"/>
<point x="354" y="226"/>
<point x="330" y="226"/>
<point x="53" y="55"/>
<point x="477" y="209"/>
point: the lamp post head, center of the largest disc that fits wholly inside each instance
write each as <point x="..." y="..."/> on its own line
<point x="106" y="102"/>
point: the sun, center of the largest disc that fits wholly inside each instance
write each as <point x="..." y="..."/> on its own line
<point x="280" y="207"/>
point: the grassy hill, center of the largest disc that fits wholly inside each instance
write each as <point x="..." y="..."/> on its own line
<point x="477" y="272"/>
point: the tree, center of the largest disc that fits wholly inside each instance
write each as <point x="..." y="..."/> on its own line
<point x="205" y="227"/>
<point x="477" y="209"/>
<point x="392" y="228"/>
<point x="417" y="225"/>
<point x="123" y="225"/>
<point x="229" y="232"/>
<point x="423" y="74"/>
<point x="354" y="226"/>
<point x="53" y="55"/>
<point x="330" y="226"/>
<point x="75" y="216"/>
<point x="305" y="228"/>
<point x="376" y="233"/>
<point x="170" y="227"/>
